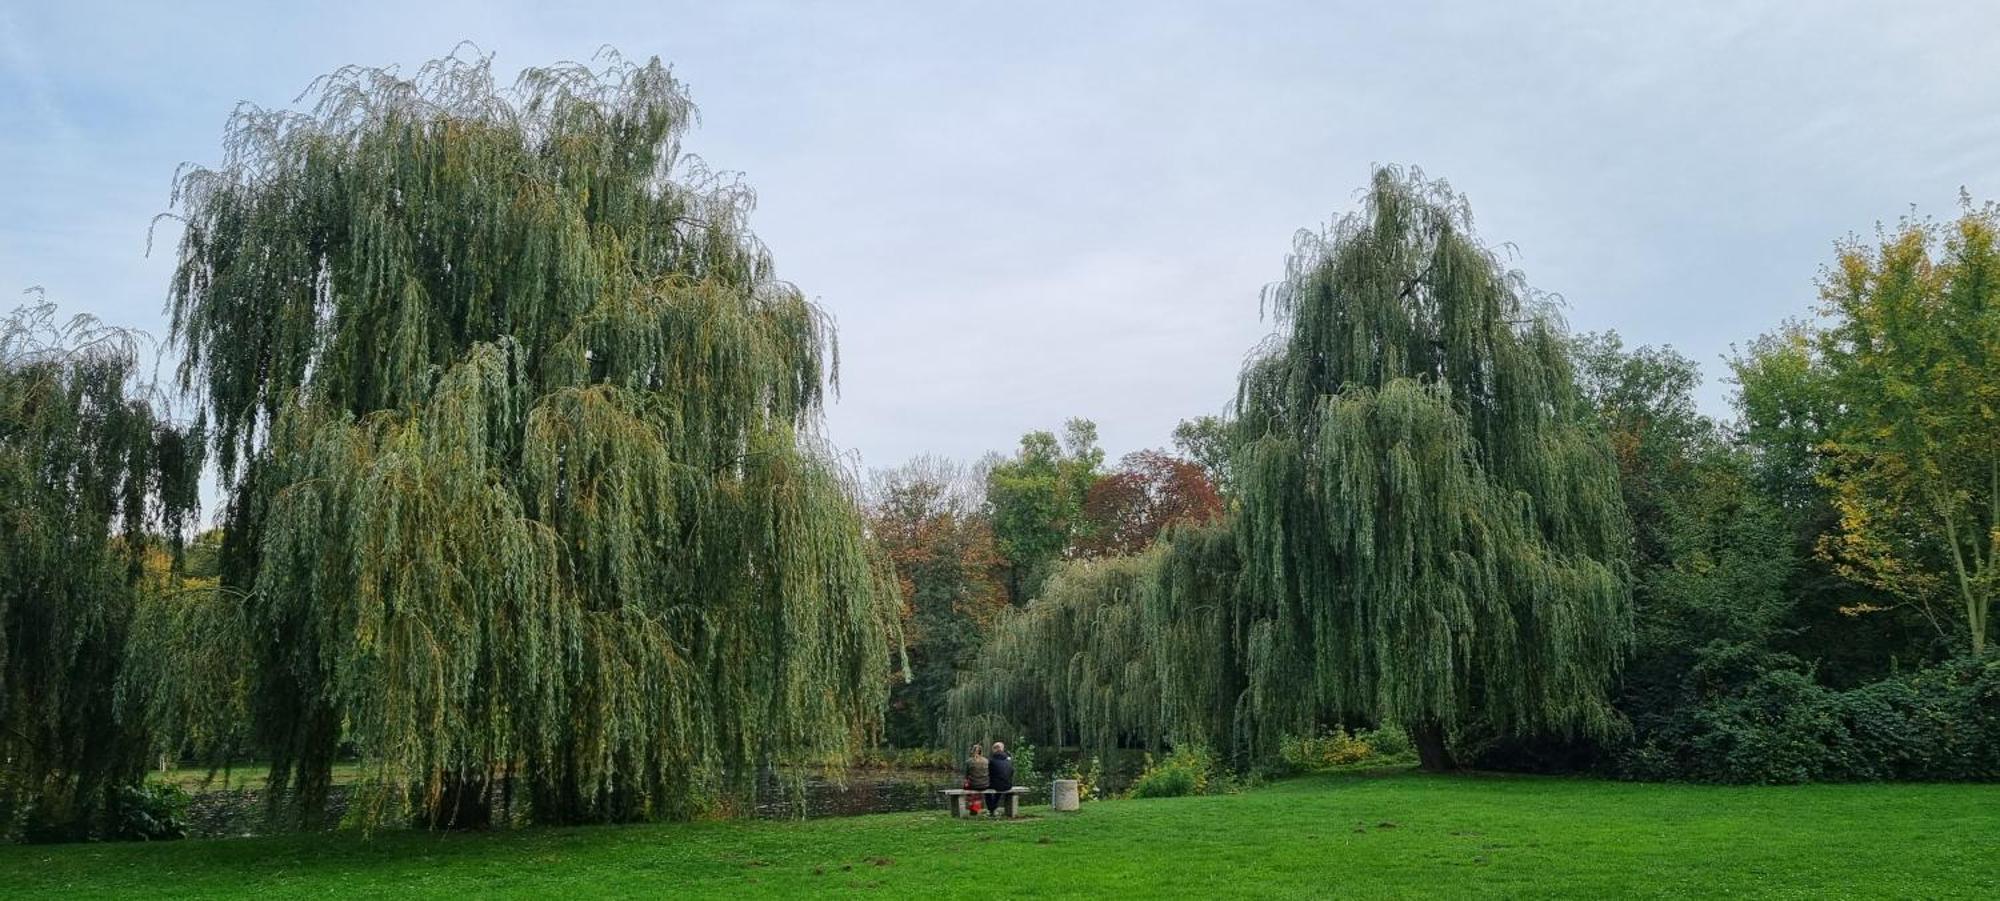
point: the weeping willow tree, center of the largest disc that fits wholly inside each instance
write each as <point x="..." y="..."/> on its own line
<point x="1073" y="659"/>
<point x="1142" y="649"/>
<point x="91" y="475"/>
<point x="1431" y="528"/>
<point x="1201" y="640"/>
<point x="1072" y="665"/>
<point x="526" y="499"/>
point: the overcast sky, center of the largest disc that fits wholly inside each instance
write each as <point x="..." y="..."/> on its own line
<point x="1020" y="213"/>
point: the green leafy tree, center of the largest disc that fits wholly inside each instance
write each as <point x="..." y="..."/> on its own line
<point x="1786" y="404"/>
<point x="1431" y="521"/>
<point x="91" y="473"/>
<point x="1785" y="407"/>
<point x="1035" y="500"/>
<point x="1912" y="349"/>
<point x="1644" y="398"/>
<point x="1208" y="441"/>
<point x="1714" y="553"/>
<point x="518" y="428"/>
<point x="1721" y="587"/>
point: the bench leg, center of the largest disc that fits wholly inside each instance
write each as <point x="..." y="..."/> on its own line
<point x="957" y="806"/>
<point x="1013" y="805"/>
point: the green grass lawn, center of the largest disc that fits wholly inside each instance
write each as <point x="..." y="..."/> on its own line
<point x="249" y="775"/>
<point x="1347" y="836"/>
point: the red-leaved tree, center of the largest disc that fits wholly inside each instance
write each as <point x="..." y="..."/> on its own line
<point x="1148" y="492"/>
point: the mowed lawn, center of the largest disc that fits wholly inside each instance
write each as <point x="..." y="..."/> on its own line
<point x="1346" y="836"/>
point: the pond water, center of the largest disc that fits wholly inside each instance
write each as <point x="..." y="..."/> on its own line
<point x="234" y="811"/>
<point x="866" y="791"/>
<point x="238" y="812"/>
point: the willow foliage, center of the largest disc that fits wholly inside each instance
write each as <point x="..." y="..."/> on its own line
<point x="1136" y="649"/>
<point x="1427" y="529"/>
<point x="90" y="472"/>
<point x="1430" y="523"/>
<point x="525" y="493"/>
<point x="1072" y="662"/>
<point x="1202" y="641"/>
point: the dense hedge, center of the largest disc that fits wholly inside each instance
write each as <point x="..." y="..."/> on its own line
<point x="1763" y="719"/>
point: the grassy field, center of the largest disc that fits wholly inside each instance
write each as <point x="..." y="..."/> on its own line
<point x="252" y="775"/>
<point x="1349" y="836"/>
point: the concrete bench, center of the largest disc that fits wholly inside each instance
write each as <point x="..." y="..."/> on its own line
<point x="959" y="796"/>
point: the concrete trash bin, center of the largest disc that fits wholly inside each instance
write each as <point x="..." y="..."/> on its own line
<point x="1062" y="796"/>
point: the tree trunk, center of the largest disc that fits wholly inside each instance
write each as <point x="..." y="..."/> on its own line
<point x="465" y="803"/>
<point x="1432" y="754"/>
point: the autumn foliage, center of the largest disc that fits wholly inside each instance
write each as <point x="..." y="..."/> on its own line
<point x="928" y="524"/>
<point x="1150" y="491"/>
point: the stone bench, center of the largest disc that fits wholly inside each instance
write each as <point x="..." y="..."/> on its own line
<point x="958" y="798"/>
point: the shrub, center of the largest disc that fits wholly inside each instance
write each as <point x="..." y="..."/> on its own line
<point x="1774" y="723"/>
<point x="905" y="759"/>
<point x="1024" y="763"/>
<point x="150" y="812"/>
<point x="1389" y="742"/>
<point x="1783" y="727"/>
<point x="1336" y="748"/>
<point x="1088" y="779"/>
<point x="1164" y="782"/>
<point x="1186" y="771"/>
<point x="145" y="813"/>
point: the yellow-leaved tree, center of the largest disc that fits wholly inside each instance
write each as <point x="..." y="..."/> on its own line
<point x="1913" y="351"/>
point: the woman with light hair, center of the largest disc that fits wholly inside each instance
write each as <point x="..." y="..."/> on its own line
<point x="976" y="776"/>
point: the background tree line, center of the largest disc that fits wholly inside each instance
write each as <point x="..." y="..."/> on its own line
<point x="1798" y="592"/>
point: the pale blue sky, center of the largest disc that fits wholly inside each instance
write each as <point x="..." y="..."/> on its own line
<point x="1024" y="212"/>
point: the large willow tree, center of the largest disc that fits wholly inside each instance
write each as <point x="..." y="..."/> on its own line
<point x="1138" y="649"/>
<point x="1430" y="523"/>
<point x="519" y="433"/>
<point x="90" y="474"/>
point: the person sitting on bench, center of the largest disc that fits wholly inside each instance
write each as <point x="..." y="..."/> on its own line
<point x="1000" y="779"/>
<point x="977" y="770"/>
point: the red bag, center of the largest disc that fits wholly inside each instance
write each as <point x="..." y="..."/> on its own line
<point x="971" y="803"/>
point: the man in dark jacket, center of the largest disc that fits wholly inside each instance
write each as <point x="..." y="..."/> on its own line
<point x="1000" y="776"/>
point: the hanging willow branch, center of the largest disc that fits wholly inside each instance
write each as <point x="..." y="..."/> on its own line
<point x="1431" y="527"/>
<point x="1428" y="528"/>
<point x="92" y="476"/>
<point x="1141" y="649"/>
<point x="520" y="433"/>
